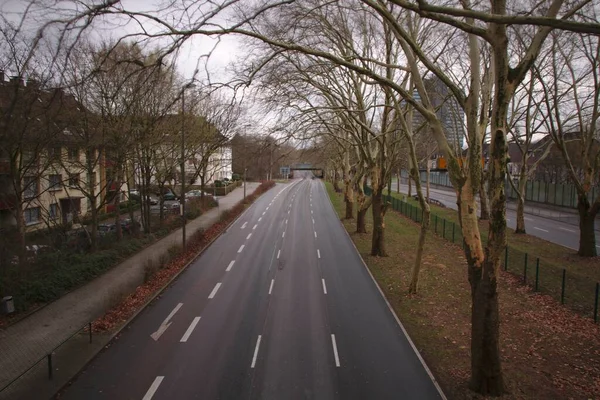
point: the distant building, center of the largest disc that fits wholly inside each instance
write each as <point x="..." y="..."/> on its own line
<point x="448" y="111"/>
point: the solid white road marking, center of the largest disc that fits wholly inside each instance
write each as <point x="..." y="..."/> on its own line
<point x="165" y="324"/>
<point x="324" y="287"/>
<point x="244" y="226"/>
<point x="256" y="351"/>
<point x="335" y="351"/>
<point x="259" y="219"/>
<point x="214" y="291"/>
<point x="271" y="287"/>
<point x="568" y="230"/>
<point x="248" y="237"/>
<point x="189" y="331"/>
<point x="229" y="266"/>
<point x="318" y="253"/>
<point x="278" y="253"/>
<point x="153" y="387"/>
<point x="283" y="234"/>
<point x="254" y="227"/>
<point x="540" y="229"/>
<point x="241" y="248"/>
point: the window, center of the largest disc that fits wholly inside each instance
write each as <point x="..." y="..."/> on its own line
<point x="54" y="153"/>
<point x="92" y="178"/>
<point x="74" y="180"/>
<point x="30" y="186"/>
<point x="54" y="182"/>
<point x="32" y="215"/>
<point x="53" y="210"/>
<point x="73" y="153"/>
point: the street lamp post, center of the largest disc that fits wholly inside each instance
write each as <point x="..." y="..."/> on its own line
<point x="182" y="197"/>
<point x="245" y="169"/>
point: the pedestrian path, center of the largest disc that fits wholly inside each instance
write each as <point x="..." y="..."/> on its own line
<point x="32" y="338"/>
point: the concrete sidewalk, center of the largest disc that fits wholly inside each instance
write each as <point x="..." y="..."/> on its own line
<point x="33" y="338"/>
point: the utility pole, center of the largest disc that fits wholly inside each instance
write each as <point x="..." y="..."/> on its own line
<point x="182" y="197"/>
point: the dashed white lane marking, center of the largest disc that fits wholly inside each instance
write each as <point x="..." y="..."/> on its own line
<point x="230" y="265"/>
<point x="335" y="351"/>
<point x="244" y="226"/>
<point x="568" y="230"/>
<point x="214" y="291"/>
<point x="259" y="219"/>
<point x="540" y="229"/>
<point x="153" y="388"/>
<point x="318" y="253"/>
<point x="189" y="331"/>
<point x="267" y="209"/>
<point x="263" y="212"/>
<point x="254" y="227"/>
<point x="256" y="351"/>
<point x="283" y="234"/>
<point x="311" y="211"/>
<point x="165" y="324"/>
<point x="286" y="220"/>
<point x="271" y="287"/>
<point x="241" y="249"/>
<point x="288" y="212"/>
<point x="278" y="253"/>
<point x="324" y="286"/>
<point x="313" y="220"/>
<point x="315" y="234"/>
<point x="248" y="237"/>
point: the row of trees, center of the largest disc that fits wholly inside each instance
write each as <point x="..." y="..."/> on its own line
<point x="91" y="112"/>
<point x="352" y="75"/>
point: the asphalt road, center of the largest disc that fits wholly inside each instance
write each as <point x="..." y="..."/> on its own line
<point x="279" y="307"/>
<point x="550" y="229"/>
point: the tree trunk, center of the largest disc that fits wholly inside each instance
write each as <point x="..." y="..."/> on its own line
<point x="414" y="278"/>
<point x="119" y="229"/>
<point x="587" y="234"/>
<point x="361" y="226"/>
<point x="409" y="187"/>
<point x="486" y="372"/>
<point x="93" y="235"/>
<point x="336" y="183"/>
<point x="520" y="214"/>
<point x="483" y="199"/>
<point x="379" y="208"/>
<point x="20" y="218"/>
<point x="349" y="200"/>
<point x="398" y="182"/>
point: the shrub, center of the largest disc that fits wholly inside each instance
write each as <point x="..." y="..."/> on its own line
<point x="218" y="183"/>
<point x="236" y="177"/>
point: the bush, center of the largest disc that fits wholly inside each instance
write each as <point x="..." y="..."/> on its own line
<point x="218" y="183"/>
<point x="236" y="177"/>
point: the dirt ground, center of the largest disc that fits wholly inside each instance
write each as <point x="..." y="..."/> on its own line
<point x="548" y="351"/>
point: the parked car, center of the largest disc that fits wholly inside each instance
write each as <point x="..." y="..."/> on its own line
<point x="127" y="224"/>
<point x="169" y="196"/>
<point x="169" y="207"/>
<point x="106" y="229"/>
<point x="196" y="194"/>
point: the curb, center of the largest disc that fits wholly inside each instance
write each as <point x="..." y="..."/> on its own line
<point x="434" y="381"/>
<point x="159" y="292"/>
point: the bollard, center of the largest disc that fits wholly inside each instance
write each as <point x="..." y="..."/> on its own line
<point x="537" y="274"/>
<point x="49" y="366"/>
<point x="596" y="303"/>
<point x="506" y="258"/>
<point x="562" y="291"/>
<point x="90" y="329"/>
<point x="525" y="270"/>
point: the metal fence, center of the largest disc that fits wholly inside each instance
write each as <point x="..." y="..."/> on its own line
<point x="44" y="369"/>
<point x="557" y="194"/>
<point x="576" y="291"/>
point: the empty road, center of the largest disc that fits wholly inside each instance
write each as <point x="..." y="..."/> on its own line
<point x="279" y="307"/>
<point x="550" y="229"/>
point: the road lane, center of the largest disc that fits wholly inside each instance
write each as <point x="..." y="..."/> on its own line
<point x="294" y="315"/>
<point x="555" y="231"/>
